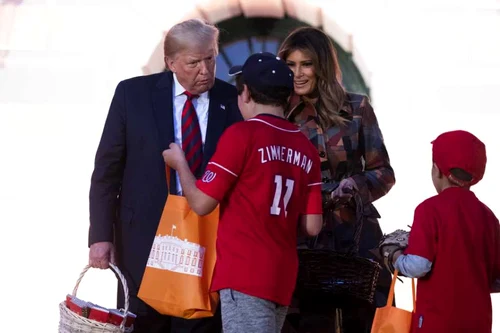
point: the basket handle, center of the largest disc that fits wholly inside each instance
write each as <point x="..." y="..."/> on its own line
<point x="354" y="249"/>
<point x="123" y="281"/>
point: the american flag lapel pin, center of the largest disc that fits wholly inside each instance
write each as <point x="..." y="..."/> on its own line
<point x="222" y="106"/>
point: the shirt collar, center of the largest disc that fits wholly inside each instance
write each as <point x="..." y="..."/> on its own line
<point x="179" y="90"/>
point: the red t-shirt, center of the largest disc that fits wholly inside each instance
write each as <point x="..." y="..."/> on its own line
<point x="461" y="237"/>
<point x="265" y="173"/>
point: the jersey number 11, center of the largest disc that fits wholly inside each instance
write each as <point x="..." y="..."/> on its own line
<point x="278" y="180"/>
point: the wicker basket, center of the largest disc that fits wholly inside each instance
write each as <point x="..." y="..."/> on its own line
<point x="70" y="322"/>
<point x="337" y="278"/>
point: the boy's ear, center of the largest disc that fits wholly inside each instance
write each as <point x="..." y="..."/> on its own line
<point x="436" y="172"/>
<point x="246" y="94"/>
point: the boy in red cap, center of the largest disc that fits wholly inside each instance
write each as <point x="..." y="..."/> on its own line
<point x="454" y="243"/>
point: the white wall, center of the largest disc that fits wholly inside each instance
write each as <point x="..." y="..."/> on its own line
<point x="432" y="66"/>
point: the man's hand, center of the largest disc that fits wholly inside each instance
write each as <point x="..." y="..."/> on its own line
<point x="344" y="191"/>
<point x="174" y="157"/>
<point x="101" y="254"/>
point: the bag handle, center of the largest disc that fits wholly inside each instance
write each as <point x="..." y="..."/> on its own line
<point x="167" y="173"/>
<point x="390" y="299"/>
<point x="414" y="295"/>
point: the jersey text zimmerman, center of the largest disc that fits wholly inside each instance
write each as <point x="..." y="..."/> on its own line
<point x="284" y="154"/>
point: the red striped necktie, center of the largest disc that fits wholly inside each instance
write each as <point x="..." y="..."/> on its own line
<point x="191" y="136"/>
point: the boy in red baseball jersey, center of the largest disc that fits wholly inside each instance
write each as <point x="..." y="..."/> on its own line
<point x="266" y="176"/>
<point x="454" y="243"/>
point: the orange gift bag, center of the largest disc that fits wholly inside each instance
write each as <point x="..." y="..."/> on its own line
<point x="389" y="319"/>
<point x="180" y="266"/>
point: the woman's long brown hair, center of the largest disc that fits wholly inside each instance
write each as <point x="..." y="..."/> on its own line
<point x="331" y="94"/>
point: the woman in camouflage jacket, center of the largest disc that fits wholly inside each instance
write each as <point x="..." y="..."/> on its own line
<point x="345" y="130"/>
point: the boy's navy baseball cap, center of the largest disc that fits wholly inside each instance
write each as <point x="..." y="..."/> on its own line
<point x="460" y="149"/>
<point x="264" y="70"/>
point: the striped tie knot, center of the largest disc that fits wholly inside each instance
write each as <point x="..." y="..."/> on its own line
<point x="190" y="96"/>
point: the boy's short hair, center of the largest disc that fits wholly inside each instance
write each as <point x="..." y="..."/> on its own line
<point x="268" y="78"/>
<point x="461" y="175"/>
<point x="460" y="156"/>
<point x="276" y="96"/>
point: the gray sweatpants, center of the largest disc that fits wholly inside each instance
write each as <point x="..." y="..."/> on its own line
<point x="242" y="313"/>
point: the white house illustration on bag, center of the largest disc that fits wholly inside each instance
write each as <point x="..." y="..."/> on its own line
<point x="173" y="254"/>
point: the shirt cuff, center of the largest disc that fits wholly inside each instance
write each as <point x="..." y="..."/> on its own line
<point x="413" y="266"/>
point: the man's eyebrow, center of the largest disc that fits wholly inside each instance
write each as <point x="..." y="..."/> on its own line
<point x="193" y="59"/>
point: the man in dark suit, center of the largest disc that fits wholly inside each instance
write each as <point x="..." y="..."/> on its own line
<point x="186" y="105"/>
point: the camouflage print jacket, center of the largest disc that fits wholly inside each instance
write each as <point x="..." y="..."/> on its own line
<point x="356" y="150"/>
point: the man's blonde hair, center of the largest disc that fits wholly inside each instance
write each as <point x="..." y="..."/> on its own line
<point x="189" y="34"/>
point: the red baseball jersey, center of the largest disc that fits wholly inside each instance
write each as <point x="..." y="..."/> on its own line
<point x="461" y="237"/>
<point x="265" y="173"/>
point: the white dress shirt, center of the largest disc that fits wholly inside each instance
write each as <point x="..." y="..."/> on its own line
<point x="201" y="106"/>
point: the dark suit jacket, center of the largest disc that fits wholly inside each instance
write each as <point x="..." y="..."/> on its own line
<point x="128" y="186"/>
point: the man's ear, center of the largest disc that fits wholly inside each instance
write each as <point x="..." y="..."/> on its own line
<point x="245" y="95"/>
<point x="169" y="62"/>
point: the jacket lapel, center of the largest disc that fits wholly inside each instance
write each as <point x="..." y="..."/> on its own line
<point x="163" y="105"/>
<point x="216" y="122"/>
<point x="163" y="110"/>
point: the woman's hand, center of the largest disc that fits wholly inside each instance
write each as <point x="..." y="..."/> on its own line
<point x="344" y="192"/>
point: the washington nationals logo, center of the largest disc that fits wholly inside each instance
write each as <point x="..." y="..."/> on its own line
<point x="208" y="176"/>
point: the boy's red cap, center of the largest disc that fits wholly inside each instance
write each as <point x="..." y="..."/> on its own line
<point x="460" y="149"/>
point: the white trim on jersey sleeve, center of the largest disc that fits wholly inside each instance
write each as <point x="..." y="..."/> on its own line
<point x="223" y="168"/>
<point x="314" y="184"/>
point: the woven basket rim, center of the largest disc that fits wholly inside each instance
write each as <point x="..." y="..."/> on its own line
<point x="69" y="318"/>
